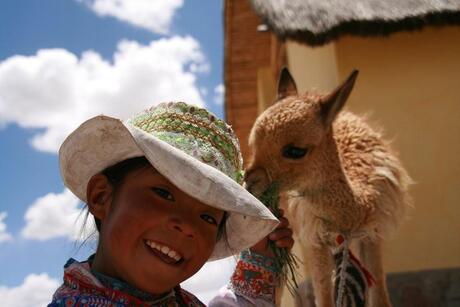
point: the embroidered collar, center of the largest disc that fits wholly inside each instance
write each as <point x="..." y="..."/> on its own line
<point x="80" y="281"/>
<point x="119" y="285"/>
<point x="116" y="284"/>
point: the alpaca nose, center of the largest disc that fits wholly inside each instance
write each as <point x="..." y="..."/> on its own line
<point x="256" y="181"/>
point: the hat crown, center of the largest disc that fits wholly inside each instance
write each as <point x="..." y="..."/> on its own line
<point x="195" y="131"/>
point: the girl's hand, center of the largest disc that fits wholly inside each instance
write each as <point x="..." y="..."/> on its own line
<point x="282" y="236"/>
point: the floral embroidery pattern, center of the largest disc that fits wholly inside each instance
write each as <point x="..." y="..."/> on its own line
<point x="197" y="132"/>
<point x="254" y="276"/>
<point x="81" y="288"/>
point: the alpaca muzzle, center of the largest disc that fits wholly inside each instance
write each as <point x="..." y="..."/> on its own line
<point x="256" y="181"/>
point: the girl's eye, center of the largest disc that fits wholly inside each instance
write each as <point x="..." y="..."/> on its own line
<point x="163" y="193"/>
<point x="209" y="219"/>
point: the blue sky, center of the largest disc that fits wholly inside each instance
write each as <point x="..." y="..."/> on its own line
<point x="62" y="61"/>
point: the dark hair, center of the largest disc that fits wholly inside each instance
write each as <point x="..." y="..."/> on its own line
<point x="116" y="173"/>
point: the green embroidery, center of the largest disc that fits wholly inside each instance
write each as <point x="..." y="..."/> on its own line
<point x="197" y="132"/>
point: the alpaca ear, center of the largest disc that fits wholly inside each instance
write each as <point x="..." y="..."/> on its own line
<point x="286" y="85"/>
<point x="333" y="103"/>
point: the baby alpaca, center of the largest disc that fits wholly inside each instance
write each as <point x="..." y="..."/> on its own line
<point x="338" y="175"/>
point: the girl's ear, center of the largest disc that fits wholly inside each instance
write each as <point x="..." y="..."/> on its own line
<point x="98" y="196"/>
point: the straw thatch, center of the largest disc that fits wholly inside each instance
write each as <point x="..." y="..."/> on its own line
<point x="317" y="22"/>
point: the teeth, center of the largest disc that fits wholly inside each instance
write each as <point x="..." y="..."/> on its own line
<point x="174" y="255"/>
<point x="165" y="250"/>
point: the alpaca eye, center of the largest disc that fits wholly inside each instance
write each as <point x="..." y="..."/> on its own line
<point x="292" y="152"/>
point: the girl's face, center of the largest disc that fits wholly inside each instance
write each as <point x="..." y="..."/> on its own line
<point x="153" y="235"/>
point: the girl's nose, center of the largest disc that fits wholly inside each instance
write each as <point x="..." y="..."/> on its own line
<point x="183" y="225"/>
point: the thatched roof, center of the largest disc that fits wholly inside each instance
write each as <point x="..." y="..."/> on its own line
<point x="317" y="22"/>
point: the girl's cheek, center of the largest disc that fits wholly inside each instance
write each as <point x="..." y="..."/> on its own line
<point x="209" y="236"/>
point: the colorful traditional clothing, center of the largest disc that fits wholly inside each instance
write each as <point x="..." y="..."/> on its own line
<point x="252" y="283"/>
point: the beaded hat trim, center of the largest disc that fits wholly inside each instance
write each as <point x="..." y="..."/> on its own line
<point x="195" y="131"/>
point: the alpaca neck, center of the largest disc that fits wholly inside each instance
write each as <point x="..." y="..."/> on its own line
<point x="330" y="193"/>
<point x="328" y="170"/>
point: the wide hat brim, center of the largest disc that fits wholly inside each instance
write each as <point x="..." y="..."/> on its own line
<point x="103" y="141"/>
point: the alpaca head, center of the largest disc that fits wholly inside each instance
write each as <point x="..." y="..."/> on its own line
<point x="290" y="139"/>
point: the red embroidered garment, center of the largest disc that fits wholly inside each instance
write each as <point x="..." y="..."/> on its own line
<point x="254" y="276"/>
<point x="82" y="288"/>
<point x="252" y="284"/>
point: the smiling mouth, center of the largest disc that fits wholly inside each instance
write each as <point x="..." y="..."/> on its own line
<point x="165" y="253"/>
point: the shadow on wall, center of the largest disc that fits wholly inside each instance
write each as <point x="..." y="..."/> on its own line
<point x="429" y="288"/>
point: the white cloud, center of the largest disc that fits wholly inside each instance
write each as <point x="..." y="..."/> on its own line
<point x="153" y="15"/>
<point x="56" y="215"/>
<point x="200" y="67"/>
<point x="56" y="91"/>
<point x="219" y="92"/>
<point x="213" y="275"/>
<point x="36" y="290"/>
<point x="4" y="235"/>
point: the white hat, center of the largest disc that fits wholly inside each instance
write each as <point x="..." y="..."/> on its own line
<point x="196" y="151"/>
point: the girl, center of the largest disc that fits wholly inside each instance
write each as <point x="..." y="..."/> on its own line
<point x="165" y="192"/>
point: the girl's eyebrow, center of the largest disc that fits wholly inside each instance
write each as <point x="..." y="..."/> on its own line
<point x="215" y="213"/>
<point x="149" y="168"/>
